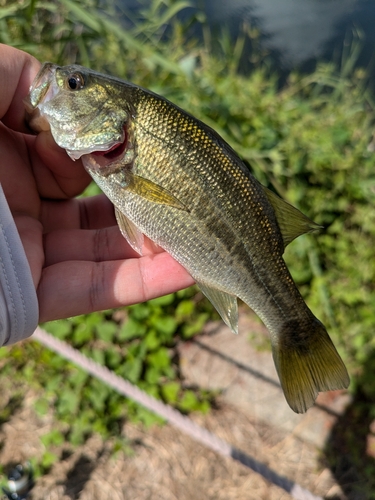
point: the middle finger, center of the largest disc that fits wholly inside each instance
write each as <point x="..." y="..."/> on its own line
<point x="95" y="245"/>
<point x="95" y="212"/>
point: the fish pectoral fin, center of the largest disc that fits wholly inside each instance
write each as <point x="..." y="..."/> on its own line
<point x="130" y="231"/>
<point x="152" y="192"/>
<point x="224" y="303"/>
<point x="291" y="221"/>
<point x="307" y="363"/>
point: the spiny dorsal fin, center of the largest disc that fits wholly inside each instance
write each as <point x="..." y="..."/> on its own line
<point x="291" y="221"/>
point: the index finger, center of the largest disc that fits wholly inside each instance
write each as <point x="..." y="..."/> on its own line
<point x="17" y="72"/>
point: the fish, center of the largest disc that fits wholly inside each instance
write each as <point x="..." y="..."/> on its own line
<point x="174" y="179"/>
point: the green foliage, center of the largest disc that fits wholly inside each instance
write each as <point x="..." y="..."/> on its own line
<point x="311" y="140"/>
<point x="139" y="346"/>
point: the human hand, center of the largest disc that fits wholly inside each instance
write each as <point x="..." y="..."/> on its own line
<point x="78" y="258"/>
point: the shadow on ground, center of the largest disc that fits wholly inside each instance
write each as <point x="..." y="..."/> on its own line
<point x="350" y="449"/>
<point x="79" y="475"/>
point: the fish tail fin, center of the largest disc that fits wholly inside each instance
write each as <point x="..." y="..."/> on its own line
<point x="307" y="363"/>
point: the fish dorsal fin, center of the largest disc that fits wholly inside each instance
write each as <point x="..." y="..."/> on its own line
<point x="224" y="303"/>
<point x="291" y="221"/>
<point x="130" y="231"/>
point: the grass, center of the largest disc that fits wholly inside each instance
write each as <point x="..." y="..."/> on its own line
<point x="312" y="140"/>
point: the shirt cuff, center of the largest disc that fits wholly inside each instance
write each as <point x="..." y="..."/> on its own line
<point x="19" y="310"/>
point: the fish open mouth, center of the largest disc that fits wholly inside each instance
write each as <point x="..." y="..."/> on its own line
<point x="116" y="150"/>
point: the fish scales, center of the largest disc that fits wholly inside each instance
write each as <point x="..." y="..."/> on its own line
<point x="177" y="181"/>
<point x="242" y="202"/>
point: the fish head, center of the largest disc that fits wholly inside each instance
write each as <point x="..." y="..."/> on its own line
<point x="85" y="111"/>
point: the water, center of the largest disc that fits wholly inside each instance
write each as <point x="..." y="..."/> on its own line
<point x="297" y="33"/>
<point x="300" y="32"/>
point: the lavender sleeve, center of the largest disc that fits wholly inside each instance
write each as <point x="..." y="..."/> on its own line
<point x="19" y="309"/>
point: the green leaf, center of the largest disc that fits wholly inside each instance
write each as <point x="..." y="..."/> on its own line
<point x="131" y="329"/>
<point x="68" y="402"/>
<point x="140" y="311"/>
<point x="170" y="391"/>
<point x="60" y="328"/>
<point x="8" y="11"/>
<point x="41" y="406"/>
<point x="80" y="427"/>
<point x="56" y="362"/>
<point x="48" y="460"/>
<point x="204" y="407"/>
<point x="78" y="378"/>
<point x="4" y="352"/>
<point x="172" y="11"/>
<point x="53" y="438"/>
<point x="152" y="340"/>
<point x="188" y="402"/>
<point x="159" y="359"/>
<point x="166" y="300"/>
<point x="82" y="333"/>
<point x="98" y="355"/>
<point x="132" y="370"/>
<point x="97" y="394"/>
<point x="83" y="15"/>
<point x="107" y="330"/>
<point x="196" y="326"/>
<point x="113" y="358"/>
<point x="54" y="383"/>
<point x="140" y="414"/>
<point x="152" y="375"/>
<point x="185" y="309"/>
<point x="166" y="325"/>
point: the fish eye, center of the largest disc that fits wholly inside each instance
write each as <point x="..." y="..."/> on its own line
<point x="75" y="81"/>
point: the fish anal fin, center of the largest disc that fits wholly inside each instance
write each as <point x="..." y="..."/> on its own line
<point x="307" y="367"/>
<point x="224" y="303"/>
<point x="130" y="231"/>
<point x="152" y="192"/>
<point x="291" y="221"/>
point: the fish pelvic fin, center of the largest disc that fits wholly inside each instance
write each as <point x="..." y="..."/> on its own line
<point x="152" y="192"/>
<point x="130" y="231"/>
<point x="291" y="221"/>
<point x="307" y="363"/>
<point x="224" y="303"/>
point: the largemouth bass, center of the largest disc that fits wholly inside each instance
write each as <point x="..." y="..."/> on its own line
<point x="175" y="180"/>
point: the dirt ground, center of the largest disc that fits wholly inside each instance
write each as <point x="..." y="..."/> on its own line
<point x="164" y="463"/>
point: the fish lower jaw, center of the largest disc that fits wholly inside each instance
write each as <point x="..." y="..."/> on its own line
<point x="112" y="153"/>
<point x="109" y="155"/>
